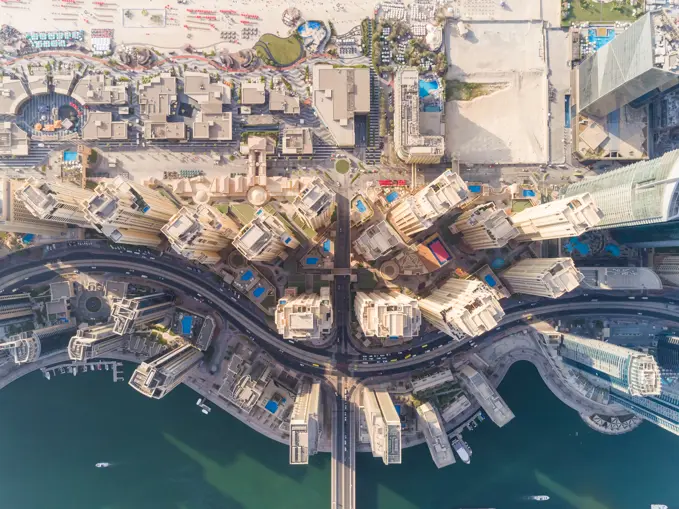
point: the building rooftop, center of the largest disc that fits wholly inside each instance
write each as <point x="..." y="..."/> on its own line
<point x="99" y="89"/>
<point x="297" y="140"/>
<point x="252" y="93"/>
<point x="99" y="125"/>
<point x="284" y="103"/>
<point x="210" y="97"/>
<point x="157" y="96"/>
<point x="162" y="130"/>
<point x="213" y="126"/>
<point x="13" y="140"/>
<point x="378" y="240"/>
<point x="315" y="198"/>
<point x="486" y="395"/>
<point x="12" y="95"/>
<point x="620" y="278"/>
<point x="339" y="93"/>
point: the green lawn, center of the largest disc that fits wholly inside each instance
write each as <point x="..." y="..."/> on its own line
<point x="590" y="10"/>
<point x="284" y="52"/>
<point x="342" y="166"/>
<point x="244" y="212"/>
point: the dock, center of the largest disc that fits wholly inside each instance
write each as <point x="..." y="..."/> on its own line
<point x="74" y="368"/>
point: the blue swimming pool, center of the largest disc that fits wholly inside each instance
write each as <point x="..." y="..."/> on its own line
<point x="498" y="263"/>
<point x="257" y="292"/>
<point x="70" y="155"/>
<point x="312" y="261"/>
<point x="392" y="196"/>
<point x="574" y="244"/>
<point x="360" y="206"/>
<point x="327" y="246"/>
<point x="600" y="36"/>
<point x="474" y="189"/>
<point x="528" y="193"/>
<point x="309" y="25"/>
<point x="490" y="280"/>
<point x="247" y="275"/>
<point x="271" y="406"/>
<point x="428" y="87"/>
<point x="187" y="324"/>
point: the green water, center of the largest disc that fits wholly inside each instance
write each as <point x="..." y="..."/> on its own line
<point x="166" y="454"/>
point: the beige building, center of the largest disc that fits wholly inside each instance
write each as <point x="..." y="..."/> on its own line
<point x="485" y="227"/>
<point x="99" y="125"/>
<point x="252" y="93"/>
<point x="546" y="277"/>
<point x="13" y="140"/>
<point x="127" y="212"/>
<point x="129" y="315"/>
<point x="377" y="241"/>
<point x="305" y="425"/>
<point x="568" y="217"/>
<point x="156" y="378"/>
<point x="198" y="234"/>
<point x="264" y="239"/>
<point x="54" y="201"/>
<point x="462" y="308"/>
<point x="210" y="97"/>
<point x="157" y="97"/>
<point x="213" y="126"/>
<point x="316" y="204"/>
<point x="339" y="94"/>
<point x="418" y="212"/>
<point x="297" y="141"/>
<point x="476" y="384"/>
<point x="99" y="90"/>
<point x="94" y="342"/>
<point x="283" y="103"/>
<point x="16" y="218"/>
<point x="412" y="146"/>
<point x="384" y="425"/>
<point x="390" y="316"/>
<point x="163" y="130"/>
<point x="433" y="427"/>
<point x="307" y="316"/>
<point x="12" y="95"/>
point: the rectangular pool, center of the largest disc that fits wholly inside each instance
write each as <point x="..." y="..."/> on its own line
<point x="70" y="155"/>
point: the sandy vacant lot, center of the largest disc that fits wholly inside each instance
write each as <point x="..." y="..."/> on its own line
<point x="508" y="126"/>
<point x="495" y="48"/>
<point x="514" y="10"/>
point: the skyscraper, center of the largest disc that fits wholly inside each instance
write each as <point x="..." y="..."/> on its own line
<point x="545" y="277"/>
<point x="130" y="314"/>
<point x="662" y="410"/>
<point x="127" y="212"/>
<point x="667" y="354"/>
<point x="156" y="378"/>
<point x="640" y="193"/>
<point x="198" y="234"/>
<point x="388" y="315"/>
<point x="568" y="217"/>
<point x="16" y="218"/>
<point x="462" y="308"/>
<point x="637" y="61"/>
<point x="307" y="316"/>
<point x="627" y="370"/>
<point x="305" y="425"/>
<point x="315" y="203"/>
<point x="384" y="425"/>
<point x="475" y="383"/>
<point x="93" y="342"/>
<point x="264" y="238"/>
<point x="27" y="346"/>
<point x="485" y="227"/>
<point x="419" y="211"/>
<point x="54" y="201"/>
<point x="376" y="241"/>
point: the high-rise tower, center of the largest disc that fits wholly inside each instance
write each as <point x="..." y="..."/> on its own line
<point x="545" y="277"/>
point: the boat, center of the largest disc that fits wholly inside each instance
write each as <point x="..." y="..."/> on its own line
<point x="461" y="450"/>
<point x="538" y="498"/>
<point x="102" y="465"/>
<point x="659" y="506"/>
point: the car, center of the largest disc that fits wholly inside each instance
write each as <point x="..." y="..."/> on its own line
<point x="144" y="276"/>
<point x="631" y="298"/>
<point x="644" y="298"/>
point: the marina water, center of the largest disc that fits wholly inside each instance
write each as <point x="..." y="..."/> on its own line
<point x="167" y="454"/>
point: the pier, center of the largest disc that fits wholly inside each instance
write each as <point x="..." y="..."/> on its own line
<point x="74" y="368"/>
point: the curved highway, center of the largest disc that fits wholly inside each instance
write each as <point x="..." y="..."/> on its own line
<point x="36" y="265"/>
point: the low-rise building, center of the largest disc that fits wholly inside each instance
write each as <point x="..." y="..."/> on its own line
<point x="297" y="141"/>
<point x="12" y="95"/>
<point x="432" y="380"/>
<point x="252" y="93"/>
<point x="434" y="431"/>
<point x="164" y="130"/>
<point x="213" y="126"/>
<point x="477" y="384"/>
<point x="158" y="97"/>
<point x="99" y="125"/>
<point x="210" y="97"/>
<point x="13" y="140"/>
<point x="283" y="103"/>
<point x="620" y="278"/>
<point x="99" y="90"/>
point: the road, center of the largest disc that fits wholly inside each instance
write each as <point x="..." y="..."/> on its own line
<point x="343" y="448"/>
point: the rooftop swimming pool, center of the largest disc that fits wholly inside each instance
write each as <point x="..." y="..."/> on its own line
<point x="257" y="292"/>
<point x="360" y="206"/>
<point x="392" y="196"/>
<point x="600" y="36"/>
<point x="70" y="155"/>
<point x="428" y="87"/>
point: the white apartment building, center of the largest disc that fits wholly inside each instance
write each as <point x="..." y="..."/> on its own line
<point x="568" y="217"/>
<point x="307" y="316"/>
<point x="94" y="342"/>
<point x="54" y="201"/>
<point x="264" y="238"/>
<point x="384" y="425"/>
<point x="545" y="277"/>
<point x="485" y="227"/>
<point x="156" y="378"/>
<point x="316" y="203"/>
<point x="305" y="426"/>
<point x="462" y="308"/>
<point x="388" y="315"/>
<point x="377" y="241"/>
<point x="433" y="427"/>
